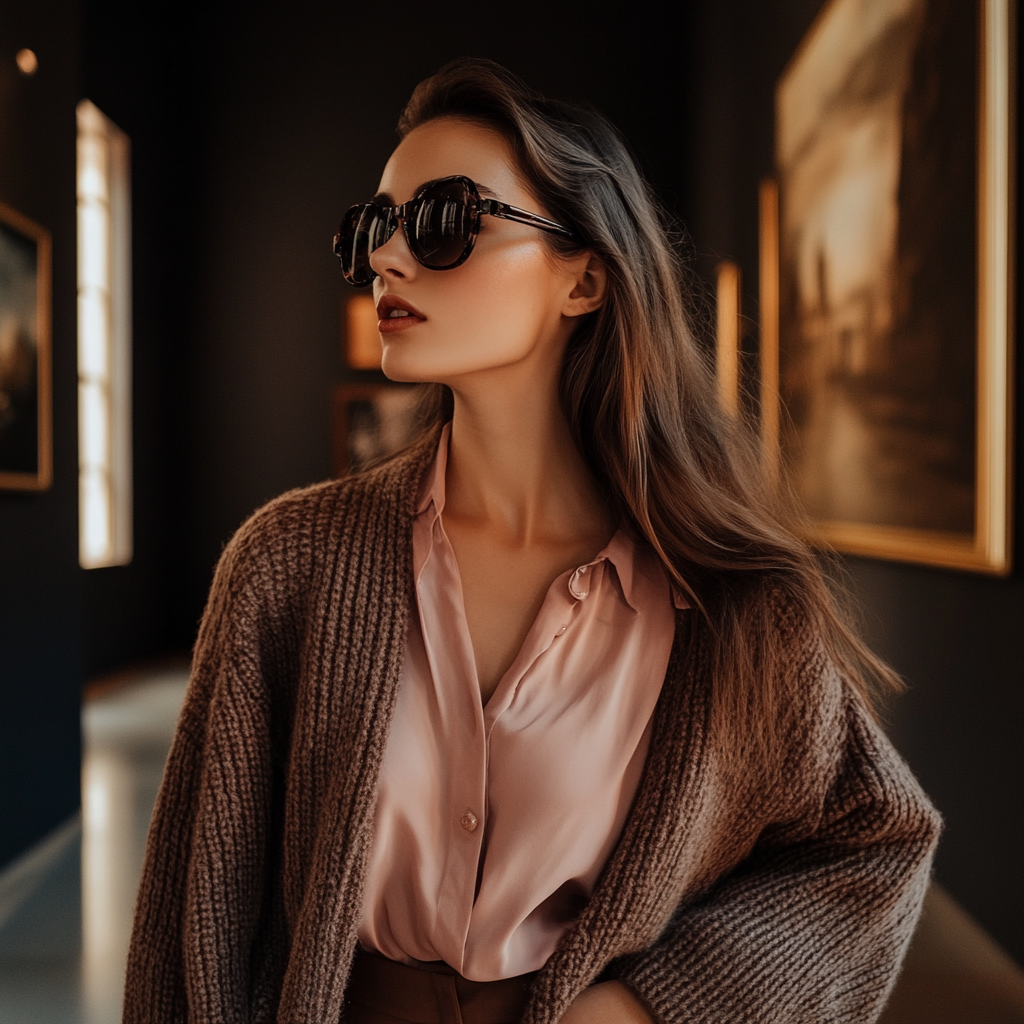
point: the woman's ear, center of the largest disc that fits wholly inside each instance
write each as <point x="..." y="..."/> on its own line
<point x="589" y="287"/>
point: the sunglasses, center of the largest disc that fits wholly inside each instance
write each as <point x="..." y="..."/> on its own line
<point x="441" y="224"/>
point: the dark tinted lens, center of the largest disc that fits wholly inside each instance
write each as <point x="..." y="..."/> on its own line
<point x="442" y="225"/>
<point x="346" y="245"/>
<point x="365" y="228"/>
<point x="379" y="225"/>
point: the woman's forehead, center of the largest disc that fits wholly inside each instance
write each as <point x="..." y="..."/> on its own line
<point x="448" y="146"/>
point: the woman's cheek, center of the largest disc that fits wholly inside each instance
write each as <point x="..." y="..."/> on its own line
<point x="504" y="323"/>
<point x="510" y="305"/>
<point x="488" y="321"/>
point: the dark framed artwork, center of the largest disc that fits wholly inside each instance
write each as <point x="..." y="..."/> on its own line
<point x="370" y="422"/>
<point x="25" y="375"/>
<point x="886" y="280"/>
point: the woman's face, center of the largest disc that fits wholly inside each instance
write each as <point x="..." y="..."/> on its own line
<point x="508" y="303"/>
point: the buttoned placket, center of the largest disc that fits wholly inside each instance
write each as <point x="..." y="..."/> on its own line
<point x="464" y="864"/>
<point x="456" y="668"/>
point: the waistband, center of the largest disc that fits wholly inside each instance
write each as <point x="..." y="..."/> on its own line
<point x="383" y="991"/>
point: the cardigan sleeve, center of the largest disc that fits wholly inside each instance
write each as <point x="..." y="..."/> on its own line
<point x="199" y="897"/>
<point x="812" y="926"/>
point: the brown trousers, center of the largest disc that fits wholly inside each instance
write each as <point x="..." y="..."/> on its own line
<point x="382" y="991"/>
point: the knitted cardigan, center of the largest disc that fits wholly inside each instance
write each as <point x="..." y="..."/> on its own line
<point x="727" y="900"/>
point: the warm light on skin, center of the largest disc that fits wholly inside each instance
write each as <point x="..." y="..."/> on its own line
<point x="495" y="331"/>
<point x="511" y="303"/>
<point x="520" y="506"/>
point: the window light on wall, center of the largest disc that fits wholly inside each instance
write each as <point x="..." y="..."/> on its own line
<point x="104" y="342"/>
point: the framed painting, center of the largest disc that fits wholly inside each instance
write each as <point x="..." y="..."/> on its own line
<point x="370" y="422"/>
<point x="361" y="343"/>
<point x="886" y="280"/>
<point x="25" y="375"/>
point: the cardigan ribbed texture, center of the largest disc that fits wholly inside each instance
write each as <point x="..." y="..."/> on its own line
<point x="728" y="899"/>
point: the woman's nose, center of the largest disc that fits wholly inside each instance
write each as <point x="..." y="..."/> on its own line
<point x="393" y="258"/>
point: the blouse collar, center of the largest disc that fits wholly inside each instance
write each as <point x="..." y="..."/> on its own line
<point x="620" y="551"/>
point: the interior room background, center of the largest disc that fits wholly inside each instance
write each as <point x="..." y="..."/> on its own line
<point x="252" y="128"/>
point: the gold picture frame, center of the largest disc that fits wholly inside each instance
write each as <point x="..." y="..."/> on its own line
<point x="26" y="420"/>
<point x="887" y="468"/>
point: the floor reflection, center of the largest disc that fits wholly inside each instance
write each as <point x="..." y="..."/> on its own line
<point x="63" y="944"/>
<point x="63" y="950"/>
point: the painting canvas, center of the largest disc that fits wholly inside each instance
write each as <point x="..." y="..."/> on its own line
<point x="882" y="224"/>
<point x="24" y="353"/>
<point x="370" y="422"/>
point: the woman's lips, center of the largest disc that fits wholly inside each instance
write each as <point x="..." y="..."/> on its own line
<point x="387" y="323"/>
<point x="391" y="324"/>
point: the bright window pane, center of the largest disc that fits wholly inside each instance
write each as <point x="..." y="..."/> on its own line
<point x="93" y="334"/>
<point x="93" y="427"/>
<point x="93" y="177"/>
<point x="104" y="341"/>
<point x="94" y="501"/>
<point x="93" y="242"/>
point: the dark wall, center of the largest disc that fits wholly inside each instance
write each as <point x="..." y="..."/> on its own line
<point x="957" y="638"/>
<point x="141" y="67"/>
<point x="301" y="122"/>
<point x="39" y="575"/>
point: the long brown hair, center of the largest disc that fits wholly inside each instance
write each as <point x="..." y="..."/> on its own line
<point x="640" y="399"/>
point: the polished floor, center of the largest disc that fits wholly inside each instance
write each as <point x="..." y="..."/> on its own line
<point x="63" y="941"/>
<point x="66" y="908"/>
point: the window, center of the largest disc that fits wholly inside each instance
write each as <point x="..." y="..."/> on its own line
<point x="104" y="342"/>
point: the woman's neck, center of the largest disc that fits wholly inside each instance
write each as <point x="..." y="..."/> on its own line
<point x="513" y="466"/>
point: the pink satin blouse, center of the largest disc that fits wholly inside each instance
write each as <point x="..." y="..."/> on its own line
<point x="493" y="822"/>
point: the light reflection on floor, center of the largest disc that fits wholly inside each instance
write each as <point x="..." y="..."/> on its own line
<point x="62" y="952"/>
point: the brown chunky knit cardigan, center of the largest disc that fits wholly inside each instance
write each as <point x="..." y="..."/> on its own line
<point x="726" y="901"/>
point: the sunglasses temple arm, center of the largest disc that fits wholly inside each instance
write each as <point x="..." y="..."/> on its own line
<point x="506" y="212"/>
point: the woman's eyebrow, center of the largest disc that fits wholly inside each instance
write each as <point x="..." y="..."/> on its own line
<point x="485" y="191"/>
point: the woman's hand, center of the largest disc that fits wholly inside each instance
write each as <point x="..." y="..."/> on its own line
<point x="610" y="1002"/>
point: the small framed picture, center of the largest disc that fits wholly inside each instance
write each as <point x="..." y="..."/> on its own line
<point x="25" y="377"/>
<point x="361" y="339"/>
<point x="370" y="422"/>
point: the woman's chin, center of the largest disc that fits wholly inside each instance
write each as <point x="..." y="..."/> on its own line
<point x="401" y="372"/>
<point x="397" y="366"/>
<point x="407" y="367"/>
<point x="423" y="364"/>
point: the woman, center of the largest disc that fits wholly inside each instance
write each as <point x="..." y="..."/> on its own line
<point x="547" y="718"/>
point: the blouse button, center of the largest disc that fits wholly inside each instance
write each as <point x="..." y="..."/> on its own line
<point x="561" y="630"/>
<point x="578" y="583"/>
<point x="468" y="821"/>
